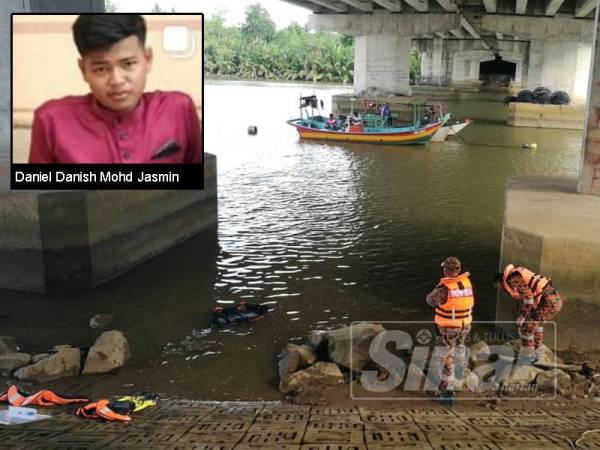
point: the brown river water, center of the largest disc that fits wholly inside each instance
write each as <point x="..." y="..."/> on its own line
<point x="325" y="233"/>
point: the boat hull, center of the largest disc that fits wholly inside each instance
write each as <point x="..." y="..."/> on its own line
<point x="419" y="136"/>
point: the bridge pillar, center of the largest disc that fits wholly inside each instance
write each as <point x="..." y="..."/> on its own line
<point x="553" y="229"/>
<point x="559" y="66"/>
<point x="433" y="69"/>
<point x="589" y="169"/>
<point x="383" y="61"/>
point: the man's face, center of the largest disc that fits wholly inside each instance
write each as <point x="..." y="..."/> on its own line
<point x="117" y="76"/>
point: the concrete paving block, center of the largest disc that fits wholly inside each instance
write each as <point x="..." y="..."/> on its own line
<point x="346" y="436"/>
<point x="333" y="418"/>
<point x="524" y="412"/>
<point x="488" y="421"/>
<point x="277" y="426"/>
<point x="504" y="435"/>
<point x="187" y="446"/>
<point x="529" y="446"/>
<point x="276" y="447"/>
<point x="272" y="438"/>
<point x="395" y="438"/>
<point x="333" y="447"/>
<point x="430" y="412"/>
<point x="227" y="437"/>
<point x="462" y="445"/>
<point x="143" y="440"/>
<point x="327" y="411"/>
<point x="218" y="427"/>
<point x="376" y="417"/>
<point x="285" y="416"/>
<point x="446" y="428"/>
<point x="334" y="425"/>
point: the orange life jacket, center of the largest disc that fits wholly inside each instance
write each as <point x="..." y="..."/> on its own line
<point x="41" y="398"/>
<point x="101" y="410"/>
<point x="535" y="281"/>
<point x="457" y="311"/>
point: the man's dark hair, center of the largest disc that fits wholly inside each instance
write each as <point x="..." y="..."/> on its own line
<point x="499" y="277"/>
<point x="100" y="31"/>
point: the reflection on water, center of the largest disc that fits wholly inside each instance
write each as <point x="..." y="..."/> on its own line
<point x="325" y="234"/>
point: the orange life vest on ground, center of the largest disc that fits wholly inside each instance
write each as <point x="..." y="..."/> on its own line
<point x="457" y="311"/>
<point x="41" y="398"/>
<point x="535" y="281"/>
<point x="101" y="410"/>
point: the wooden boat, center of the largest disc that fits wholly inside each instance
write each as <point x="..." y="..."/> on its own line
<point x="448" y="130"/>
<point x="373" y="128"/>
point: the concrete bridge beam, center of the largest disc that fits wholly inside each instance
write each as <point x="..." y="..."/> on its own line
<point x="390" y="5"/>
<point x="540" y="28"/>
<point x="384" y="22"/>
<point x="520" y="6"/>
<point x="585" y="8"/>
<point x="490" y="6"/>
<point x="362" y="5"/>
<point x="332" y="5"/>
<point x="552" y="7"/>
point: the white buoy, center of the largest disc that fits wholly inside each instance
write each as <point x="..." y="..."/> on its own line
<point x="532" y="145"/>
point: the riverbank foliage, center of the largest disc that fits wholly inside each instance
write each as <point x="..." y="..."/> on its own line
<point x="255" y="50"/>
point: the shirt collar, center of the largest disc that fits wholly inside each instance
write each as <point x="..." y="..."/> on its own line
<point x="115" y="117"/>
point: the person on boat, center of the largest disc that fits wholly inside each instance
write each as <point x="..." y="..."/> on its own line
<point x="453" y="301"/>
<point x="356" y="119"/>
<point x="386" y="113"/>
<point x="331" y="122"/>
<point x="538" y="302"/>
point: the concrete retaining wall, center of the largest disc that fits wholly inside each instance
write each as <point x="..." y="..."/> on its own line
<point x="546" y="116"/>
<point x="54" y="241"/>
<point x="551" y="229"/>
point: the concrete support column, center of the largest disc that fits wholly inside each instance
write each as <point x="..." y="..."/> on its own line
<point x="589" y="169"/>
<point x="559" y="66"/>
<point x="438" y="72"/>
<point x="382" y="61"/>
<point x="433" y="68"/>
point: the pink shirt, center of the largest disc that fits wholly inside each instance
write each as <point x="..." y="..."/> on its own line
<point x="163" y="128"/>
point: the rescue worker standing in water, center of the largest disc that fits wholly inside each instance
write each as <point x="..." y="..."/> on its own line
<point x="538" y="302"/>
<point x="452" y="300"/>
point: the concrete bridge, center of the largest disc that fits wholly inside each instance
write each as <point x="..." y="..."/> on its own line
<point x="533" y="43"/>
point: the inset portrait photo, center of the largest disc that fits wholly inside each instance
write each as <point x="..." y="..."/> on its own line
<point x="107" y="89"/>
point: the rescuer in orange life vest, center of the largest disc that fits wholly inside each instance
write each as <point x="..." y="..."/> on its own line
<point x="452" y="300"/>
<point x="538" y="302"/>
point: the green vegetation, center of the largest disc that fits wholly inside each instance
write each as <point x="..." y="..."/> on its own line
<point x="256" y="50"/>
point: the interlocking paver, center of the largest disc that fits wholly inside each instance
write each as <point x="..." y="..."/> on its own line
<point x="272" y="438"/>
<point x="179" y="425"/>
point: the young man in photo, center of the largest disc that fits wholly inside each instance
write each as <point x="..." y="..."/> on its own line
<point x="117" y="122"/>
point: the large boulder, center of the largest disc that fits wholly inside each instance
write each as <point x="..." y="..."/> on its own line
<point x="64" y="363"/>
<point x="350" y="346"/>
<point x="12" y="361"/>
<point x="289" y="362"/>
<point x="522" y="374"/>
<point x="553" y="380"/>
<point x="307" y="355"/>
<point x="547" y="356"/>
<point x="110" y="351"/>
<point x="8" y="345"/>
<point x="322" y="374"/>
